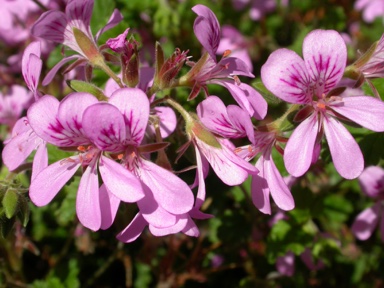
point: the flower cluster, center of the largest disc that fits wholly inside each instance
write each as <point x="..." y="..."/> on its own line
<point x="118" y="135"/>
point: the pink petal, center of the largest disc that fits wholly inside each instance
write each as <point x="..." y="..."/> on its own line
<point x="31" y="65"/>
<point x="172" y="193"/>
<point x="49" y="181"/>
<point x="115" y="19"/>
<point x="260" y="190"/>
<point x="371" y="181"/>
<point x="176" y="228"/>
<point x="153" y="213"/>
<point x="70" y="113"/>
<point x="108" y="131"/>
<point x="17" y="150"/>
<point x="213" y="114"/>
<point x="50" y="26"/>
<point x="191" y="229"/>
<point x="256" y="100"/>
<point x="48" y="78"/>
<point x="71" y="110"/>
<point x="87" y="199"/>
<point x="241" y="120"/>
<point x="168" y="121"/>
<point x="277" y="186"/>
<point x="200" y="197"/>
<point x="230" y="168"/>
<point x="146" y="78"/>
<point x="325" y="56"/>
<point x="345" y="152"/>
<point x="109" y="205"/>
<point x="207" y="29"/>
<point x="364" y="110"/>
<point x="286" y="76"/>
<point x="233" y="66"/>
<point x="366" y="222"/>
<point x="40" y="160"/>
<point x="134" y="105"/>
<point x="247" y="97"/>
<point x="299" y="150"/>
<point x="133" y="230"/>
<point x="79" y="14"/>
<point x="42" y="118"/>
<point x="119" y="181"/>
<point x="286" y="264"/>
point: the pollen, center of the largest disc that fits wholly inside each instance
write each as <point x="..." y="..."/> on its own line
<point x="321" y="105"/>
<point x="227" y="53"/>
<point x="237" y="150"/>
<point x="82" y="148"/>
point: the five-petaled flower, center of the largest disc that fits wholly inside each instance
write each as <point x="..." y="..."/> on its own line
<point x="310" y="82"/>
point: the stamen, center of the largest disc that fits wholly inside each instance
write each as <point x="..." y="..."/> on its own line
<point x="82" y="148"/>
<point x="227" y="53"/>
<point x="237" y="80"/>
<point x="321" y="105"/>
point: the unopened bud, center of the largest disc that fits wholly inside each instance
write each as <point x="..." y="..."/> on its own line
<point x="131" y="71"/>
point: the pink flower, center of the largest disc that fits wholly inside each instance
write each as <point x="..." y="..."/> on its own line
<point x="214" y="151"/>
<point x="286" y="264"/>
<point x="309" y="82"/>
<point x="258" y="7"/>
<point x="371" y="9"/>
<point x="208" y="71"/>
<point x="13" y="103"/>
<point x="269" y="180"/>
<point x="72" y="29"/>
<point x="120" y="129"/>
<point x="62" y="124"/>
<point x="372" y="184"/>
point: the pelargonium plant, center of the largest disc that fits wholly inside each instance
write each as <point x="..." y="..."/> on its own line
<point x="132" y="140"/>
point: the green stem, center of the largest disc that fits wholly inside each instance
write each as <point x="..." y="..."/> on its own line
<point x="277" y="123"/>
<point x="187" y="117"/>
<point x="101" y="64"/>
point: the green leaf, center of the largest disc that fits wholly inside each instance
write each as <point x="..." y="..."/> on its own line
<point x="280" y="230"/>
<point x="144" y="276"/>
<point x="9" y="202"/>
<point x="372" y="147"/>
<point x="82" y="86"/>
<point x="66" y="213"/>
<point x="336" y="208"/>
<point x="268" y="96"/>
<point x="72" y="278"/>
